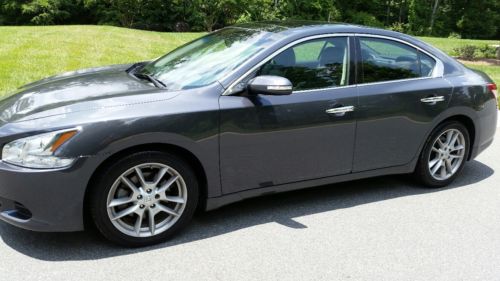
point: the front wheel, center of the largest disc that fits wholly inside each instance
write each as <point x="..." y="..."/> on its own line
<point x="144" y="198"/>
<point x="444" y="155"/>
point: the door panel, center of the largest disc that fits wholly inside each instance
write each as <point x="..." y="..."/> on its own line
<point x="269" y="140"/>
<point x="393" y="121"/>
<point x="398" y="105"/>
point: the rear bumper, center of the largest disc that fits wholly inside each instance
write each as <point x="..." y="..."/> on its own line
<point x="45" y="200"/>
<point x="486" y="126"/>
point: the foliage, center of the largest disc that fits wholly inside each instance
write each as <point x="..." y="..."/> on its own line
<point x="467" y="52"/>
<point x="487" y="51"/>
<point x="467" y="18"/>
<point x="398" y="27"/>
<point x="365" y="18"/>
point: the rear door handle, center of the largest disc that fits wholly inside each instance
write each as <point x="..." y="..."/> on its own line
<point x="432" y="100"/>
<point x="340" y="110"/>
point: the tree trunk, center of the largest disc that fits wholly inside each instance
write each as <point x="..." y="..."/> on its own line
<point x="433" y="15"/>
<point x="401" y="6"/>
<point x="388" y="12"/>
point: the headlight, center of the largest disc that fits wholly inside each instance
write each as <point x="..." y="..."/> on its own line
<point x="38" y="151"/>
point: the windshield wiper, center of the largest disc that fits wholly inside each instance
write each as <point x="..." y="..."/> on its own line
<point x="150" y="78"/>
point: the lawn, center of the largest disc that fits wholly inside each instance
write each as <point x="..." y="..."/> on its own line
<point x="31" y="53"/>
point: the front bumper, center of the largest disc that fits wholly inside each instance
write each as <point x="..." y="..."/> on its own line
<point x="45" y="200"/>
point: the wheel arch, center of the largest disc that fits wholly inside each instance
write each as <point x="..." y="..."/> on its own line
<point x="179" y="151"/>
<point x="469" y="124"/>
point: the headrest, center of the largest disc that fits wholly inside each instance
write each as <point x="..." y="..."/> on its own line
<point x="287" y="58"/>
<point x="332" y="55"/>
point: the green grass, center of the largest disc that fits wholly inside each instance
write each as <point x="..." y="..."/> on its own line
<point x="31" y="53"/>
<point x="448" y="44"/>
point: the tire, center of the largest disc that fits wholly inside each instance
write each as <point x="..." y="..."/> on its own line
<point x="430" y="158"/>
<point x="119" y="193"/>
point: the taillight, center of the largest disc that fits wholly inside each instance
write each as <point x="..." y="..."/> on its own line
<point x="493" y="88"/>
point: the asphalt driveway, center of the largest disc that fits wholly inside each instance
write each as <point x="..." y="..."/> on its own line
<point x="385" y="228"/>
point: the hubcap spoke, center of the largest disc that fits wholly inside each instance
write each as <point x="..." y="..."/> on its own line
<point x="449" y="137"/>
<point x="175" y="199"/>
<point x="441" y="144"/>
<point x="152" y="225"/>
<point x="140" y="176"/>
<point x="160" y="176"/>
<point x="437" y="166"/>
<point x="453" y="140"/>
<point x="167" y="210"/>
<point x="130" y="185"/>
<point x="449" y="169"/>
<point x="443" y="170"/>
<point x="126" y="212"/>
<point x="433" y="162"/>
<point x="167" y="185"/>
<point x="121" y="201"/>
<point x="138" y="223"/>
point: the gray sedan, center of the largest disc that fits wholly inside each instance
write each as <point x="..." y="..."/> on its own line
<point x="248" y="110"/>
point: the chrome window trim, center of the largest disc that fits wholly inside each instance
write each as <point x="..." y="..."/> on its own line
<point x="227" y="92"/>
<point x="437" y="72"/>
<point x="322" y="89"/>
<point x="395" y="81"/>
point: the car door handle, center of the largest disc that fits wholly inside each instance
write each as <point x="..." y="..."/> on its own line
<point x="432" y="100"/>
<point x="340" y="110"/>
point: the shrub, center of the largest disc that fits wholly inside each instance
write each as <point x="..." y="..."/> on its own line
<point x="487" y="51"/>
<point x="365" y="18"/>
<point x="467" y="52"/>
<point x="398" y="27"/>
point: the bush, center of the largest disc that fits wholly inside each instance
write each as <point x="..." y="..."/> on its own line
<point x="455" y="35"/>
<point x="364" y="18"/>
<point x="467" y="52"/>
<point x="398" y="27"/>
<point x="488" y="52"/>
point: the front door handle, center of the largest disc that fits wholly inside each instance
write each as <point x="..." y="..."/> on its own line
<point x="432" y="100"/>
<point x="340" y="110"/>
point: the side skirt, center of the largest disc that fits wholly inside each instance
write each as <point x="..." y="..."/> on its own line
<point x="217" y="202"/>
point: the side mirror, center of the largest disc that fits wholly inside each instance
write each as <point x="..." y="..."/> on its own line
<point x="269" y="85"/>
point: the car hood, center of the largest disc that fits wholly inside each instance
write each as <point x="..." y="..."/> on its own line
<point x="87" y="89"/>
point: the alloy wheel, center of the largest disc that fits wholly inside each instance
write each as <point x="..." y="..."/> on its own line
<point x="447" y="154"/>
<point x="147" y="200"/>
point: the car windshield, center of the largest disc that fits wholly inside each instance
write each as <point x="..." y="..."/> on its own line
<point x="209" y="58"/>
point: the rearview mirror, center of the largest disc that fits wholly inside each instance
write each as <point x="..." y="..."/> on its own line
<point x="269" y="85"/>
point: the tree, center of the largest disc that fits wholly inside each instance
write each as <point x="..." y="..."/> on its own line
<point x="433" y="15"/>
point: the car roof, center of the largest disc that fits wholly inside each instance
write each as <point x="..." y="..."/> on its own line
<point x="304" y="26"/>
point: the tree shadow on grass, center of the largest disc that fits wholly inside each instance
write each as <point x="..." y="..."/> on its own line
<point x="279" y="208"/>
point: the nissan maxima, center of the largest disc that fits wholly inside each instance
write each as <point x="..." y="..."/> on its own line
<point x="248" y="110"/>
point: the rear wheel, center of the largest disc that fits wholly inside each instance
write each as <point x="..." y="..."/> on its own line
<point x="144" y="198"/>
<point x="444" y="155"/>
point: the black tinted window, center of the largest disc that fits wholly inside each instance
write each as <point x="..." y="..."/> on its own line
<point x="385" y="60"/>
<point x="314" y="64"/>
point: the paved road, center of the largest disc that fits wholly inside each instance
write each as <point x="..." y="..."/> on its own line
<point x="378" y="229"/>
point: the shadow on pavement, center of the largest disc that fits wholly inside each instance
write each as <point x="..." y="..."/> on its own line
<point x="279" y="208"/>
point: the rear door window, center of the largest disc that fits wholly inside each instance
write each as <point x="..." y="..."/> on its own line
<point x="386" y="60"/>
